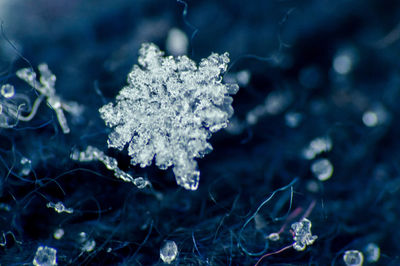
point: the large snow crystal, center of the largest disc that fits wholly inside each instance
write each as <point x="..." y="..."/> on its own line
<point x="169" y="110"/>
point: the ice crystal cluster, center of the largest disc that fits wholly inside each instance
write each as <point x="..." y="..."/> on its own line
<point x="169" y="110"/>
<point x="302" y="234"/>
<point x="94" y="154"/>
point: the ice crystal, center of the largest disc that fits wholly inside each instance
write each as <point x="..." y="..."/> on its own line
<point x="45" y="256"/>
<point x="169" y="251"/>
<point x="302" y="234"/>
<point x="353" y="258"/>
<point x="59" y="207"/>
<point x="169" y="110"/>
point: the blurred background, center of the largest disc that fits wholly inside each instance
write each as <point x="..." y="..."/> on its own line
<point x="315" y="121"/>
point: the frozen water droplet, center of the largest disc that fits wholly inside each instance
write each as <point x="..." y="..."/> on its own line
<point x="7" y="90"/>
<point x="322" y="169"/>
<point x="59" y="207"/>
<point x="274" y="237"/>
<point x="87" y="244"/>
<point x="372" y="252"/>
<point x="58" y="234"/>
<point x="26" y="166"/>
<point x="45" y="256"/>
<point x="353" y="258"/>
<point x="302" y="234"/>
<point x="140" y="182"/>
<point x="169" y="252"/>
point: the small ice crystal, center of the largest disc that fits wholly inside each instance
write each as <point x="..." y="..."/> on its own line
<point x="317" y="146"/>
<point x="140" y="182"/>
<point x="372" y="252"/>
<point x="273" y="237"/>
<point x="45" y="256"/>
<point x="87" y="244"/>
<point x="322" y="169"/>
<point x="169" y="252"/>
<point x="7" y="91"/>
<point x="59" y="233"/>
<point x="59" y="207"/>
<point x="377" y="115"/>
<point x="26" y="166"/>
<point x="353" y="258"/>
<point x="302" y="234"/>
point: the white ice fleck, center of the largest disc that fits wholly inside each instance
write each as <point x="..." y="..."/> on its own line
<point x="302" y="234"/>
<point x="45" y="256"/>
<point x="322" y="169"/>
<point x="169" y="251"/>
<point x="7" y="91"/>
<point x="353" y="258"/>
<point x="372" y="252"/>
<point x="177" y="42"/>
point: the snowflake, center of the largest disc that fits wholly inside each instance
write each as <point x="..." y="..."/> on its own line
<point x="169" y="110"/>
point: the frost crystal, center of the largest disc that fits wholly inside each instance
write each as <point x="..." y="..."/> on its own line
<point x="7" y="91"/>
<point x="59" y="233"/>
<point x="302" y="234"/>
<point x="87" y="244"/>
<point x="45" y="256"/>
<point x="169" y="110"/>
<point x="322" y="169"/>
<point x="353" y="258"/>
<point x="372" y="252"/>
<point x="169" y="252"/>
<point x="59" y="207"/>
